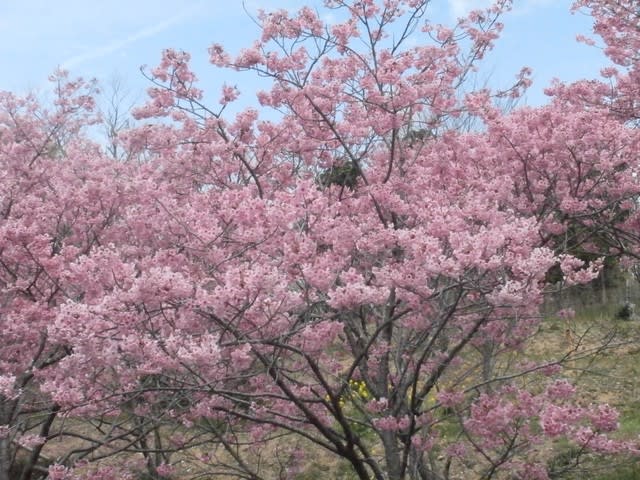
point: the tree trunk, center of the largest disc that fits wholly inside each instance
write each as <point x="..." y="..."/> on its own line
<point x="392" y="456"/>
<point x="5" y="444"/>
<point x="603" y="283"/>
<point x="29" y="468"/>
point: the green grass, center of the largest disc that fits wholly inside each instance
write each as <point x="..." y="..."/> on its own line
<point x="626" y="472"/>
<point x="630" y="419"/>
<point x="612" y="376"/>
<point x="563" y="466"/>
<point x="564" y="459"/>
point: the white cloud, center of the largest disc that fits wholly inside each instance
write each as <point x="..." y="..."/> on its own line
<point x="526" y="7"/>
<point x="460" y="8"/>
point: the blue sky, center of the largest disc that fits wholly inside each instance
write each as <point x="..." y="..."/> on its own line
<point x="116" y="37"/>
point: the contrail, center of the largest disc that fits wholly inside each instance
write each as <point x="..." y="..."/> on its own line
<point x="134" y="37"/>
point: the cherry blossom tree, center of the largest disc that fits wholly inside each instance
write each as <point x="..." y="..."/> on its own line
<point x="340" y="275"/>
<point x="616" y="23"/>
<point x="56" y="207"/>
